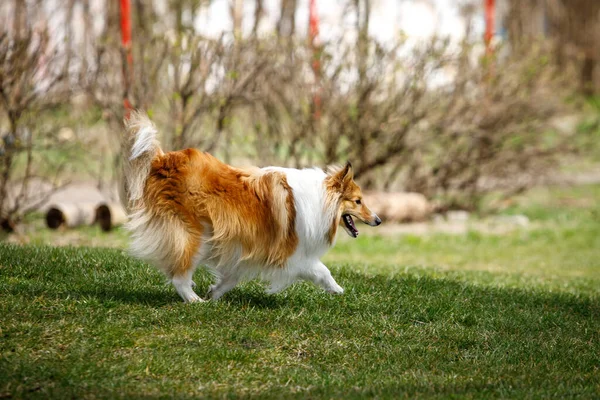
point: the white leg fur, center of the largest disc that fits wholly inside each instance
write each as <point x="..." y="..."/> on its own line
<point x="277" y="287"/>
<point x="320" y="275"/>
<point x="222" y="286"/>
<point x="183" y="285"/>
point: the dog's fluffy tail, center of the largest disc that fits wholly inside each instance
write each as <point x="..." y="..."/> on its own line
<point x="139" y="147"/>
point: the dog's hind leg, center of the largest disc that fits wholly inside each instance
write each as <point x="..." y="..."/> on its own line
<point x="184" y="286"/>
<point x="222" y="286"/>
<point x="320" y="275"/>
<point x="278" y="286"/>
<point x="183" y="271"/>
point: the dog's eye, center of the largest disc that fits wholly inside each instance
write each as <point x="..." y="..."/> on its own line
<point x="357" y="202"/>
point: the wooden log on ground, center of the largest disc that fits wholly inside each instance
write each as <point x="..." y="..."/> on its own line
<point x="8" y="225"/>
<point x="70" y="215"/>
<point x="399" y="207"/>
<point x="110" y="215"/>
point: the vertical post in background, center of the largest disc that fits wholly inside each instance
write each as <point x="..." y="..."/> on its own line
<point x="489" y="25"/>
<point x="127" y="56"/>
<point x="313" y="33"/>
<point x="236" y="9"/>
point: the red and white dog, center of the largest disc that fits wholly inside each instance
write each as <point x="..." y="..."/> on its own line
<point x="187" y="208"/>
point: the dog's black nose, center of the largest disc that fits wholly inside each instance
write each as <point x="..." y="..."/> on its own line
<point x="377" y="221"/>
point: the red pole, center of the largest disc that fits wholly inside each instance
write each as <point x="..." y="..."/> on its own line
<point x="313" y="32"/>
<point x="313" y="20"/>
<point x="489" y="25"/>
<point x="128" y="57"/>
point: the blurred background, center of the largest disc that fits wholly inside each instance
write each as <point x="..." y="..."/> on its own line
<point x="444" y="107"/>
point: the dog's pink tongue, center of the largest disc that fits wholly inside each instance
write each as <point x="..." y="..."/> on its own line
<point x="351" y="222"/>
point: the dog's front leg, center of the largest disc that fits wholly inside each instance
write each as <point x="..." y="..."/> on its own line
<point x="320" y="275"/>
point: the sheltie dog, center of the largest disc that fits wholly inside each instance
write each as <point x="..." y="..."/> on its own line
<point x="186" y="208"/>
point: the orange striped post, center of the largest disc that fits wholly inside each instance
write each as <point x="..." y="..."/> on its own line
<point x="127" y="55"/>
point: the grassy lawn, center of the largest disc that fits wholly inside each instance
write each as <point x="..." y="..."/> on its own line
<point x="476" y="315"/>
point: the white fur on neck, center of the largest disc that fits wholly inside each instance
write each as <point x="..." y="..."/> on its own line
<point x="313" y="219"/>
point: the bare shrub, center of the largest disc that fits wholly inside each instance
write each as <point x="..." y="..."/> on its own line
<point x="574" y="27"/>
<point x="489" y="130"/>
<point x="32" y="82"/>
<point x="432" y="119"/>
<point x="211" y="80"/>
<point x="428" y="120"/>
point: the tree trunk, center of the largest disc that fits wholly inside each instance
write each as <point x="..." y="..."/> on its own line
<point x="258" y="14"/>
<point x="20" y="19"/>
<point x="236" y="8"/>
<point x="68" y="36"/>
<point x="286" y="26"/>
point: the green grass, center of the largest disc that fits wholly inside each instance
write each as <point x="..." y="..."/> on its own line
<point x="446" y="316"/>
<point x="560" y="252"/>
<point x="93" y="322"/>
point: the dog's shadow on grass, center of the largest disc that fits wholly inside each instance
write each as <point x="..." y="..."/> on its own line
<point x="148" y="297"/>
<point x="241" y="297"/>
<point x="160" y="297"/>
<point x="394" y="294"/>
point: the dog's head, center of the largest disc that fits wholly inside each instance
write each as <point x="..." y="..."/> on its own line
<point x="349" y="200"/>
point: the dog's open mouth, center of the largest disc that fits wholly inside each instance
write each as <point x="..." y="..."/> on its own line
<point x="349" y="225"/>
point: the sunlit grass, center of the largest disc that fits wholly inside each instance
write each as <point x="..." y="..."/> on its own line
<point x="561" y="249"/>
<point x="81" y="322"/>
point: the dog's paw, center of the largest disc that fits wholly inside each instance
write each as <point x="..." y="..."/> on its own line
<point x="337" y="289"/>
<point x="193" y="298"/>
<point x="273" y="289"/>
<point x="212" y="293"/>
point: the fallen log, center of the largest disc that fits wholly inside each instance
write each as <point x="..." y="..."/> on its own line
<point x="110" y="215"/>
<point x="70" y="215"/>
<point x="399" y="207"/>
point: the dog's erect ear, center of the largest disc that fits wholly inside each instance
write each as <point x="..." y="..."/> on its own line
<point x="341" y="176"/>
<point x="344" y="175"/>
<point x="347" y="173"/>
